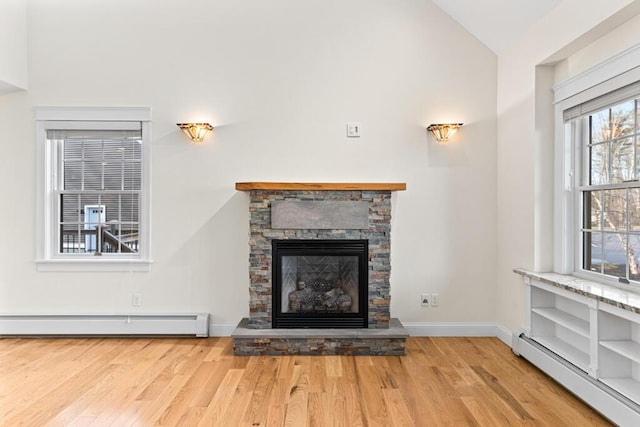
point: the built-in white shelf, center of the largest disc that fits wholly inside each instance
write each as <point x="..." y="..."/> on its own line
<point x="629" y="349"/>
<point x="560" y="323"/>
<point x="565" y="350"/>
<point x="565" y="319"/>
<point x="594" y="327"/>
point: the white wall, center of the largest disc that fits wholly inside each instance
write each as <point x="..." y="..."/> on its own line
<point x="279" y="80"/>
<point x="575" y="35"/>
<point x="13" y="45"/>
<point x="615" y="41"/>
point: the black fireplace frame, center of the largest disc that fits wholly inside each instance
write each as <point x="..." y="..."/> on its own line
<point x="293" y="247"/>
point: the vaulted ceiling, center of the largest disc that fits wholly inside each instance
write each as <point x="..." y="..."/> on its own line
<point x="497" y="23"/>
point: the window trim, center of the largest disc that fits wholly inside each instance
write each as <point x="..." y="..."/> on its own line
<point x="611" y="75"/>
<point x="47" y="259"/>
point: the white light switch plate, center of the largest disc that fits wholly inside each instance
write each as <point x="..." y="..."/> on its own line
<point x="353" y="130"/>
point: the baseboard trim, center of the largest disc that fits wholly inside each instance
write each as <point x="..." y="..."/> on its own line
<point x="443" y="329"/>
<point x="221" y="329"/>
<point x="504" y="335"/>
<point x="198" y="324"/>
<point x="108" y="324"/>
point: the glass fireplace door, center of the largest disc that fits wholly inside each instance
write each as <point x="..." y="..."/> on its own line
<point x="320" y="283"/>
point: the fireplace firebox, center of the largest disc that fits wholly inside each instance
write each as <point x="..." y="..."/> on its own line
<point x="320" y="283"/>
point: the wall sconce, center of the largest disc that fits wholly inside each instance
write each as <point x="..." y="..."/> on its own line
<point x="196" y="131"/>
<point x="443" y="131"/>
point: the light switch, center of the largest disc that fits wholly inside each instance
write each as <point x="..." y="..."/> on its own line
<point x="353" y="130"/>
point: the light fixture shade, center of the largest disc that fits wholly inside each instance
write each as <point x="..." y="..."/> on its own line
<point x="443" y="131"/>
<point x="196" y="131"/>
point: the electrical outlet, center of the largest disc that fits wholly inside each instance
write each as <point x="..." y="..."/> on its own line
<point x="136" y="299"/>
<point x="435" y="300"/>
<point x="425" y="299"/>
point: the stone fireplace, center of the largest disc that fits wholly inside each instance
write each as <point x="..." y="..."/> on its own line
<point x="306" y="298"/>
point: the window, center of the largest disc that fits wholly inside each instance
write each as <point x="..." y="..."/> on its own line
<point x="596" y="203"/>
<point x="609" y="191"/>
<point x="94" y="189"/>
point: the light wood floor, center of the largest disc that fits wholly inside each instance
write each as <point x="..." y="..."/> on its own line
<point x="185" y="382"/>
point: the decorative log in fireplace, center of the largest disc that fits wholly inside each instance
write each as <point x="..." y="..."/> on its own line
<point x="319" y="296"/>
<point x="320" y="283"/>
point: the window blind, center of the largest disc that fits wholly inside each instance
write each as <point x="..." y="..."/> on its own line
<point x="596" y="104"/>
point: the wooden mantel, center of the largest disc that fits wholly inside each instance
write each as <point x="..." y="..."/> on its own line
<point x="321" y="186"/>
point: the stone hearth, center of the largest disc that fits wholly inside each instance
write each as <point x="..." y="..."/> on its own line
<point x="319" y="212"/>
<point x="385" y="342"/>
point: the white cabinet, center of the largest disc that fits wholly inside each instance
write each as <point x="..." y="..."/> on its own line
<point x="598" y="338"/>
<point x="619" y="350"/>
<point x="561" y="323"/>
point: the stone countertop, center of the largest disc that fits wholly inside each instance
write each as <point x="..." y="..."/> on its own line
<point x="621" y="298"/>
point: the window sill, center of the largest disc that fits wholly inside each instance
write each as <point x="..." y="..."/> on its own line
<point x="114" y="265"/>
<point x="621" y="298"/>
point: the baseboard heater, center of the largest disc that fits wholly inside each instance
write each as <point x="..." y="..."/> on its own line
<point x="108" y="324"/>
<point x="602" y="398"/>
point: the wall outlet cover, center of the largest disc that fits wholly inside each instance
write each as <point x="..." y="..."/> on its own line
<point x="425" y="300"/>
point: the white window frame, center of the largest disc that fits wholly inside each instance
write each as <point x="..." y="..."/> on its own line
<point x="47" y="256"/>
<point x="605" y="78"/>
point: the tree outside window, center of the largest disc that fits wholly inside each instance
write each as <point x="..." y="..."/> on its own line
<point x="611" y="198"/>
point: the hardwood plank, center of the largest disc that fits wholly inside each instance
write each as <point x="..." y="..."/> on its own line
<point x="334" y="406"/>
<point x="436" y="393"/>
<point x="218" y="372"/>
<point x="196" y="372"/>
<point x="86" y="409"/>
<point x="236" y="409"/>
<point x="189" y="382"/>
<point x="257" y="411"/>
<point x="222" y="398"/>
<point x="133" y="352"/>
<point x="191" y="418"/>
<point x="414" y="400"/>
<point x="183" y="357"/>
<point x="46" y="399"/>
<point x="333" y="365"/>
<point x="278" y="402"/>
<point x="148" y="412"/>
<point x="297" y="402"/>
<point x="398" y="411"/>
<point x="483" y="414"/>
<point x="128" y="391"/>
<point x="353" y="416"/>
<point x="317" y="374"/>
<point x="370" y="389"/>
<point x="182" y="402"/>
<point x="218" y="349"/>
<point x="317" y="413"/>
<point x="510" y="401"/>
<point x="174" y="356"/>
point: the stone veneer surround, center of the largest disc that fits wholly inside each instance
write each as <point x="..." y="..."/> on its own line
<point x="262" y="233"/>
